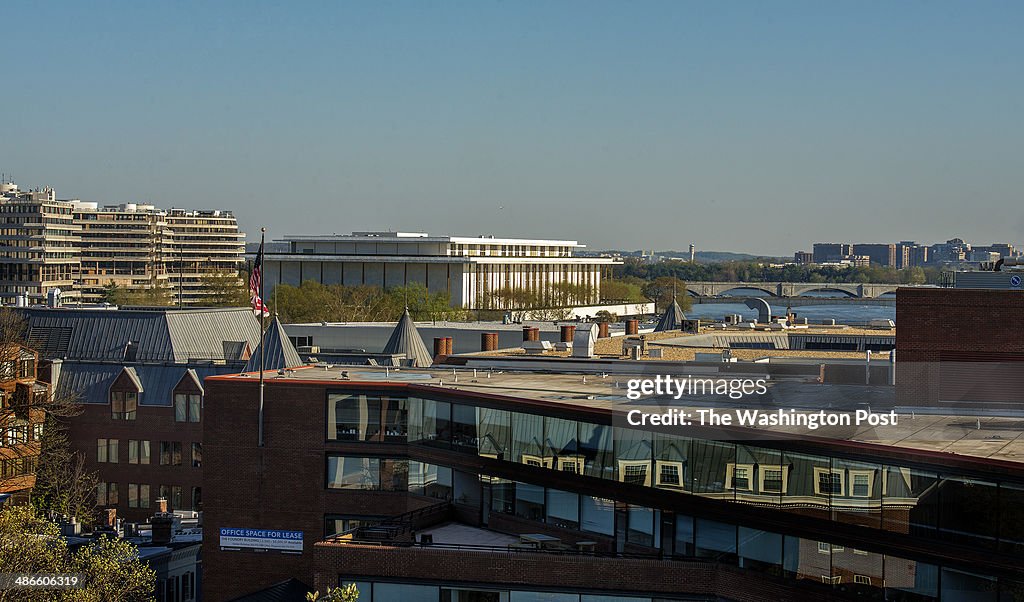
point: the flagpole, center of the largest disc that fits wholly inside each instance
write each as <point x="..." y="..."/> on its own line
<point x="263" y="339"/>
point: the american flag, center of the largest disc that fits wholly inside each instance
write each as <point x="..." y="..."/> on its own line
<point x="256" y="284"/>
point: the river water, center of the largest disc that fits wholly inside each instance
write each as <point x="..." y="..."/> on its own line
<point x="843" y="314"/>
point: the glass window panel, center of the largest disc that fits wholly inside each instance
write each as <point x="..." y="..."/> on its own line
<point x="143" y="452"/>
<point x="144" y="496"/>
<point x="716" y="540"/>
<point x="405" y="593"/>
<point x="464" y="433"/>
<point x="563" y="509"/>
<point x="560" y="437"/>
<point x="529" y="501"/>
<point x="760" y="550"/>
<point x="528" y="440"/>
<point x="1011" y="519"/>
<point x="684" y="535"/>
<point x="495" y="433"/>
<point x="633" y="456"/>
<point x="643" y="526"/>
<point x="961" y="586"/>
<point x="966" y="511"/>
<point x="598" y="515"/>
<point x="396" y="418"/>
<point x="858" y="499"/>
<point x="804" y="493"/>
<point x="503" y="495"/>
<point x="430" y="480"/>
<point x="596" y="447"/>
<point x="353" y="472"/>
<point x="429" y="422"/>
<point x="133" y="451"/>
<point x="180" y="407"/>
<point x="542" y="597"/>
<point x="709" y="464"/>
<point x="195" y="405"/>
<point x="353" y="417"/>
<point x="670" y="461"/>
<point x="910" y="503"/>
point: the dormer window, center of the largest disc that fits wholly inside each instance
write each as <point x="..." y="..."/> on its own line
<point x="124" y="405"/>
<point x="188" y="398"/>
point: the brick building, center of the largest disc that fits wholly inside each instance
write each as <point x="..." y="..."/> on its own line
<point x="139" y="377"/>
<point x="21" y="426"/>
<point x="960" y="347"/>
<point x="523" y="486"/>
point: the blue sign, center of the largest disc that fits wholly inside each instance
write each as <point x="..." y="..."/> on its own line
<point x="261" y="539"/>
<point x="1015" y="281"/>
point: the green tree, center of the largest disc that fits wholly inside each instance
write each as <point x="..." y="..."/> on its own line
<point x="110" y="568"/>
<point x="621" y="291"/>
<point x="64" y="486"/>
<point x="662" y="290"/>
<point x="344" y="593"/>
<point x="224" y="289"/>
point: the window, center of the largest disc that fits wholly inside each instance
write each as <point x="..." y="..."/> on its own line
<point x="829" y="580"/>
<point x="170" y="453"/>
<point x="737" y="476"/>
<point x="138" y="495"/>
<point x="824" y="548"/>
<point x="634" y="472"/>
<point x="573" y="464"/>
<point x="138" y="452"/>
<point x="670" y="474"/>
<point x="37" y="431"/>
<point x="123" y="405"/>
<point x="171" y="493"/>
<point x="197" y="498"/>
<point x="106" y="494"/>
<point x="539" y="462"/>
<point x="187" y="407"/>
<point x="143" y="495"/>
<point x="106" y="450"/>
<point x="346" y="472"/>
<point x="862" y="579"/>
<point x="861" y="482"/>
<point x="828" y="481"/>
<point x="774" y="478"/>
<point x="197" y="455"/>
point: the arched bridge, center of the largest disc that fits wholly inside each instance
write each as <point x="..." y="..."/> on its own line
<point x="791" y="289"/>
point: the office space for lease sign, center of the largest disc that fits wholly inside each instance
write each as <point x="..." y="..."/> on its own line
<point x="261" y="539"/>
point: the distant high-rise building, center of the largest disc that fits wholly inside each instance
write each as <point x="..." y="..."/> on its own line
<point x="803" y="257"/>
<point x="693" y="253"/>
<point x="831" y="252"/>
<point x="81" y="247"/>
<point x="1003" y="249"/>
<point x="39" y="244"/>
<point x="881" y="254"/>
<point x="954" y="250"/>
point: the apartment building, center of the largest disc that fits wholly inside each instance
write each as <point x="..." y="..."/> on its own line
<point x="81" y="248"/>
<point x="39" y="244"/>
<point x="141" y="246"/>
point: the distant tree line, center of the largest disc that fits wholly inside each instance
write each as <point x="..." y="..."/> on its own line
<point x="755" y="271"/>
<point x="315" y="302"/>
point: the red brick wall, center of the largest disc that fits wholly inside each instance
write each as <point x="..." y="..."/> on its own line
<point x="154" y="424"/>
<point x="985" y="324"/>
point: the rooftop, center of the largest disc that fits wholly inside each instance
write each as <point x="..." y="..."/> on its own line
<point x="992" y="436"/>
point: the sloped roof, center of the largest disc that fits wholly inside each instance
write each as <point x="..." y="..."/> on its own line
<point x="161" y="335"/>
<point x="90" y="383"/>
<point x="281" y="353"/>
<point x="406" y="339"/>
<point x="672" y="319"/>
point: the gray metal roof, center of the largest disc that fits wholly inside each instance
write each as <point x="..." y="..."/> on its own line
<point x="90" y="383"/>
<point x="159" y="335"/>
<point x="672" y="319"/>
<point x="281" y="353"/>
<point x="406" y="339"/>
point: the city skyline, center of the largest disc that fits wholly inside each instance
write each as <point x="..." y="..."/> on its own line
<point x="640" y="126"/>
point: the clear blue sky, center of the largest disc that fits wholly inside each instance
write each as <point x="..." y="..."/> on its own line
<point x="760" y="126"/>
